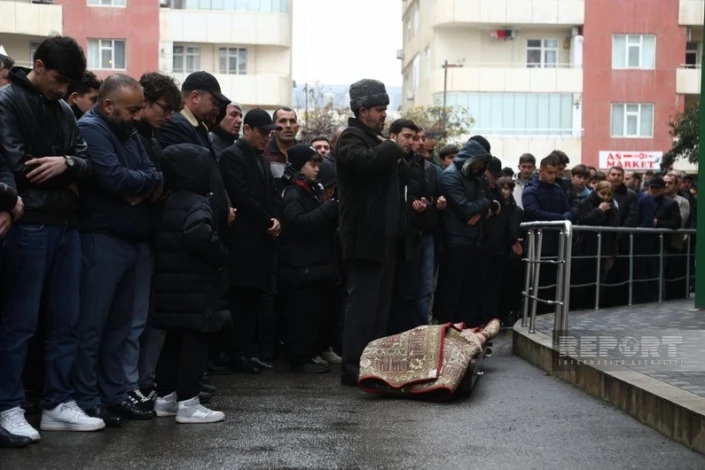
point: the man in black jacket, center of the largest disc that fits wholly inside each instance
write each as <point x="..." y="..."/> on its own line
<point x="371" y="215"/>
<point x="115" y="224"/>
<point x="227" y="131"/>
<point x="251" y="239"/>
<point x="82" y="95"/>
<point x="41" y="254"/>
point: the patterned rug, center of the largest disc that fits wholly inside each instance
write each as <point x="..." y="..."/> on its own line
<point x="431" y="361"/>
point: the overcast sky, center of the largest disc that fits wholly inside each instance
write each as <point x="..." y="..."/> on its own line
<point x="338" y="42"/>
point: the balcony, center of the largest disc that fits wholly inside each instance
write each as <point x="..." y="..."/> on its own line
<point x="30" y="18"/>
<point x="691" y="12"/>
<point x="257" y="90"/>
<point x="509" y="79"/>
<point x="508" y="12"/>
<point x="688" y="81"/>
<point x="224" y="27"/>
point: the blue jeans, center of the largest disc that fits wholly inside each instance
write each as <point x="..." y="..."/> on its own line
<point x="39" y="261"/>
<point x="133" y="352"/>
<point x="105" y="321"/>
<point x="427" y="274"/>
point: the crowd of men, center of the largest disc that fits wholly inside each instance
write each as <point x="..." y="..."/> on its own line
<point x="153" y="236"/>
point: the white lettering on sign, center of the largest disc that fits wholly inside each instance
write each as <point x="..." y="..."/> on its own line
<point x="630" y="160"/>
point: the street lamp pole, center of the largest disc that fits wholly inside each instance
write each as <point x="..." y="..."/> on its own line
<point x="446" y="65"/>
<point x="700" y="240"/>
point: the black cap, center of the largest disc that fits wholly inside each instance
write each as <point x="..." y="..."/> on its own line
<point x="260" y="119"/>
<point x="657" y="182"/>
<point x="495" y="167"/>
<point x="299" y="154"/>
<point x="206" y="82"/>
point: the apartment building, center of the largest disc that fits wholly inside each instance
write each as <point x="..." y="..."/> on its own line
<point x="246" y="44"/>
<point x="117" y="35"/>
<point x="543" y="74"/>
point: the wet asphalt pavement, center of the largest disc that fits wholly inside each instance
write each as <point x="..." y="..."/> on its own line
<point x="516" y="418"/>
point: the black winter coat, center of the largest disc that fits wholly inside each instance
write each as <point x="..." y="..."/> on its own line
<point x="590" y="214"/>
<point x="33" y="127"/>
<point x="220" y="140"/>
<point x="496" y="227"/>
<point x="307" y="244"/>
<point x="364" y="165"/>
<point x="251" y="190"/>
<point x="190" y="278"/>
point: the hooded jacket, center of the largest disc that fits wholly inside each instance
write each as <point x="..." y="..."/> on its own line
<point x="466" y="196"/>
<point x="307" y="242"/>
<point x="190" y="278"/>
<point x="122" y="168"/>
<point x="33" y="127"/>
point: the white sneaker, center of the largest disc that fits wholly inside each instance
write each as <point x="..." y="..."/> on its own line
<point x="69" y="417"/>
<point x="320" y="360"/>
<point x="166" y="406"/>
<point x="331" y="357"/>
<point x="14" y="422"/>
<point x="192" y="412"/>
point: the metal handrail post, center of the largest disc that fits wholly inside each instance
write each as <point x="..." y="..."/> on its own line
<point x="598" y="270"/>
<point x="660" y="271"/>
<point x="537" y="274"/>
<point x="560" y="272"/>
<point x="566" y="282"/>
<point x="529" y="272"/>
<point x="687" y="268"/>
<point x="631" y="269"/>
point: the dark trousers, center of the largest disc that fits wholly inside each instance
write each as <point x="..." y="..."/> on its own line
<point x="39" y="261"/>
<point x="510" y="299"/>
<point x="246" y="306"/>
<point x="459" y="296"/>
<point x="370" y="286"/>
<point x="333" y="313"/>
<point x="404" y="314"/>
<point x="677" y="287"/>
<point x="182" y="363"/>
<point x="304" y="314"/>
<point x="494" y="287"/>
<point x="105" y="321"/>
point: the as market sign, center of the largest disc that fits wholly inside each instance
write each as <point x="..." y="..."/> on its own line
<point x="630" y="160"/>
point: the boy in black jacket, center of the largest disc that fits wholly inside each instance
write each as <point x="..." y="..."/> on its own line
<point x="306" y="262"/>
<point x="190" y="283"/>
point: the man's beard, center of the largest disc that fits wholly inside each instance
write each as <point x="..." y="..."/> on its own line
<point x="116" y="120"/>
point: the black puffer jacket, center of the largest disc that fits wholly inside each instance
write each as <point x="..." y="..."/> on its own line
<point x="307" y="242"/>
<point x="190" y="278"/>
<point x="32" y="127"/>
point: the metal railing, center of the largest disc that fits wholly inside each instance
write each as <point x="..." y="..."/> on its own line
<point x="564" y="259"/>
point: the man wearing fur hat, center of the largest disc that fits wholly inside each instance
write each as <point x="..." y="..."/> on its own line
<point x="371" y="173"/>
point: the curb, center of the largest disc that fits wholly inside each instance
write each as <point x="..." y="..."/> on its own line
<point x="675" y="413"/>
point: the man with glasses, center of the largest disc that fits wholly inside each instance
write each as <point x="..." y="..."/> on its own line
<point x="161" y="99"/>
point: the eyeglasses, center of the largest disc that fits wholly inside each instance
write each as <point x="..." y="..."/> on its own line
<point x="165" y="108"/>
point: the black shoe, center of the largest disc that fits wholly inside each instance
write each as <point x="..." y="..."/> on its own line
<point x="348" y="380"/>
<point x="12" y="441"/>
<point x="141" y="400"/>
<point x="110" y="420"/>
<point x="214" y="369"/>
<point x="130" y="411"/>
<point x="204" y="398"/>
<point x="209" y="389"/>
<point x="261" y="364"/>
<point x="310" y="367"/>
<point x="245" y="366"/>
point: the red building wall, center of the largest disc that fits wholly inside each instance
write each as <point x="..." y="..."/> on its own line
<point x="603" y="86"/>
<point x="137" y="23"/>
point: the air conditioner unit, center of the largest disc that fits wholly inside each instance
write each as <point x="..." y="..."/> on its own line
<point x="410" y="96"/>
<point x="400" y="54"/>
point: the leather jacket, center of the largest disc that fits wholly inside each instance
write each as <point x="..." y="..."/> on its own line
<point x="33" y="127"/>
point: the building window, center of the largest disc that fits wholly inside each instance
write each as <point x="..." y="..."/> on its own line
<point x="106" y="54"/>
<point x="106" y="3"/>
<point x="428" y="62"/>
<point x="691" y="55"/>
<point x="632" y="120"/>
<point x="408" y="31"/>
<point x="187" y="59"/>
<point x="634" y="51"/>
<point x="417" y="71"/>
<point x="516" y="113"/>
<point x="416" y="19"/>
<point x="541" y="53"/>
<point x="264" y="6"/>
<point x="233" y="60"/>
